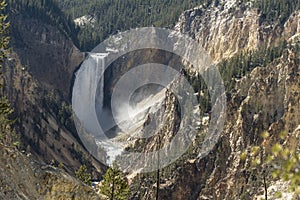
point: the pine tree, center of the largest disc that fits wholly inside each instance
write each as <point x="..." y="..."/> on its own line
<point x="7" y="135"/>
<point x="114" y="184"/>
<point x="83" y="175"/>
<point x="4" y="29"/>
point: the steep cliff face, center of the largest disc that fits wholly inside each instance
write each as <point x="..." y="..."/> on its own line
<point x="266" y="99"/>
<point x="232" y="27"/>
<point x="22" y="178"/>
<point x="45" y="52"/>
<point x="134" y="59"/>
<point x="38" y="78"/>
<point x="263" y="101"/>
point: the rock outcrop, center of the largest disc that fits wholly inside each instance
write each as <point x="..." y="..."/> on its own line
<point x="266" y="99"/>
<point x="232" y="27"/>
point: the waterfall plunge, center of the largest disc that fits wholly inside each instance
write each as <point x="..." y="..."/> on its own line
<point x="84" y="91"/>
<point x="89" y="78"/>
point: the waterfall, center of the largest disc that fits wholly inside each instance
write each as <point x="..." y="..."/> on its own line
<point x="88" y="78"/>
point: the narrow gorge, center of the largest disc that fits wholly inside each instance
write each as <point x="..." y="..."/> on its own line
<point x="195" y="111"/>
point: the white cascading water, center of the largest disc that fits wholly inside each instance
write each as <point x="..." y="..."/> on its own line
<point x="84" y="91"/>
<point x="88" y="80"/>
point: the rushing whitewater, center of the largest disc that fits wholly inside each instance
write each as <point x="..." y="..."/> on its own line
<point x="89" y="78"/>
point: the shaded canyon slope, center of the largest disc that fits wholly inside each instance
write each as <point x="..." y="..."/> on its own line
<point x="38" y="78"/>
<point x="22" y="178"/>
